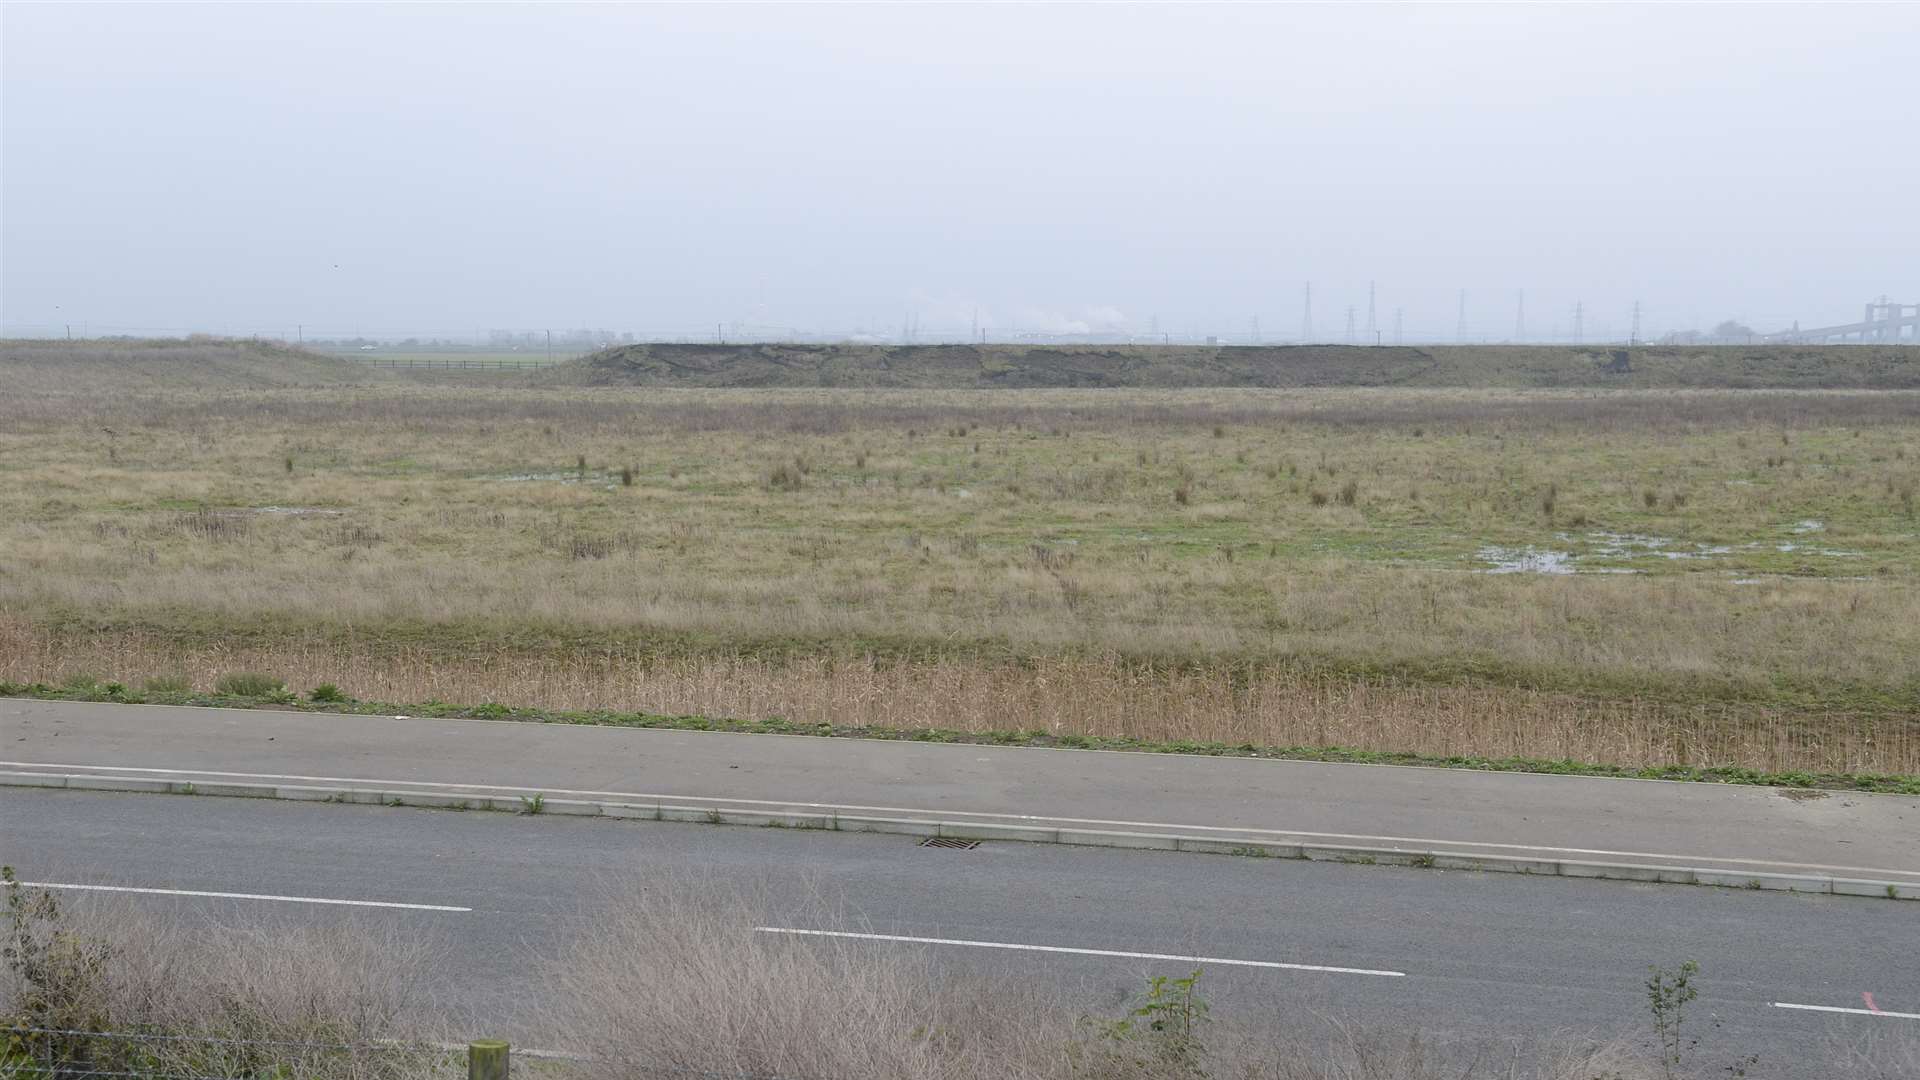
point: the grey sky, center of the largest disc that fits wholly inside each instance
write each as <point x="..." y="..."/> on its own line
<point x="441" y="169"/>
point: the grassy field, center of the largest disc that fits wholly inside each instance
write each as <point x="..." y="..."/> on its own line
<point x="457" y="359"/>
<point x="1629" y="577"/>
<point x="1880" y="367"/>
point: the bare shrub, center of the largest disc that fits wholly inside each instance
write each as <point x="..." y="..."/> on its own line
<point x="673" y="979"/>
<point x="226" y="996"/>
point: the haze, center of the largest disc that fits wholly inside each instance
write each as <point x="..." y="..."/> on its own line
<point x="1051" y="169"/>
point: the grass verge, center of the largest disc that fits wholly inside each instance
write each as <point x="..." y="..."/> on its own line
<point x="1877" y="783"/>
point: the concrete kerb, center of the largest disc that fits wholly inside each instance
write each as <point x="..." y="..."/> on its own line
<point x="1033" y="834"/>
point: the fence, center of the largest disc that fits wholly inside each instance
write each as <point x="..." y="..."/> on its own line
<point x="453" y="363"/>
<point x="38" y="1053"/>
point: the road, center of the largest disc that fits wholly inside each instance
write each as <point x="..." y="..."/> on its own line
<point x="1744" y="829"/>
<point x="1478" y="953"/>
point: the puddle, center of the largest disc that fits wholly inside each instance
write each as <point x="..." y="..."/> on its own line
<point x="1526" y="561"/>
<point x="1618" y="544"/>
<point x="1807" y="526"/>
<point x="295" y="511"/>
<point x="1701" y="551"/>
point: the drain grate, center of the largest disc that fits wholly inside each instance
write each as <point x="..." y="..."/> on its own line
<point x="950" y="842"/>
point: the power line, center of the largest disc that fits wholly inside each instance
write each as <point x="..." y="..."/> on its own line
<point x="1520" y="316"/>
<point x="1350" y="313"/>
<point x="1373" y="327"/>
<point x="1633" y="336"/>
<point x="1306" y="319"/>
<point x="1460" y="327"/>
<point x="1397" y="313"/>
<point x="1579" y="318"/>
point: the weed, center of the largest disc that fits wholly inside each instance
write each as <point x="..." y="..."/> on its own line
<point x="1167" y="1023"/>
<point x="533" y="804"/>
<point x="1349" y="492"/>
<point x="248" y="684"/>
<point x="327" y="694"/>
<point x="1668" y="994"/>
<point x="1317" y="497"/>
<point x="626" y="476"/>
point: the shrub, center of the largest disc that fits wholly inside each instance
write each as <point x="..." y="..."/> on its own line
<point x="785" y="477"/>
<point x="327" y="693"/>
<point x="248" y="684"/>
<point x="120" y="967"/>
<point x="1349" y="492"/>
<point x="1317" y="497"/>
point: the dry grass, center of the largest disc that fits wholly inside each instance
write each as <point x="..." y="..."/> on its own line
<point x="675" y="982"/>
<point x="230" y="995"/>
<point x="1104" y="696"/>
<point x="1233" y="566"/>
<point x="668" y="979"/>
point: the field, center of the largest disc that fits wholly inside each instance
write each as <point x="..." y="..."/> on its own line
<point x="1631" y="577"/>
<point x="1001" y="367"/>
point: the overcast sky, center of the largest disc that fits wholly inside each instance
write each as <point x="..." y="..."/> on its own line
<point x="445" y="169"/>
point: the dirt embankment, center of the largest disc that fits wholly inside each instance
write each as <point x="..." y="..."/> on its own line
<point x="1015" y="366"/>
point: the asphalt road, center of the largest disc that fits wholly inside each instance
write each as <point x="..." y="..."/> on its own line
<point x="1707" y="825"/>
<point x="1480" y="954"/>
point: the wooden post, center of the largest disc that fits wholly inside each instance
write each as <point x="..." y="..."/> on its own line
<point x="487" y="1060"/>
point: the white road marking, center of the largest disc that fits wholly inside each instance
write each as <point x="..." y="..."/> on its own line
<point x="1079" y="952"/>
<point x="244" y="896"/>
<point x="1850" y="1012"/>
<point x="1425" y="842"/>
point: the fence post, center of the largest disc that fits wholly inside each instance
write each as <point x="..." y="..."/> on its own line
<point x="487" y="1060"/>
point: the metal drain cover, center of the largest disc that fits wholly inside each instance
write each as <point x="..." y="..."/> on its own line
<point x="950" y="842"/>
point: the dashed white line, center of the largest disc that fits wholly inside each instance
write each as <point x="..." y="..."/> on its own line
<point x="244" y="896"/>
<point x="479" y="789"/>
<point x="1272" y="964"/>
<point x="1849" y="1012"/>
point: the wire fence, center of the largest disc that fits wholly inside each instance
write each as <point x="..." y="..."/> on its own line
<point x="41" y="1053"/>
